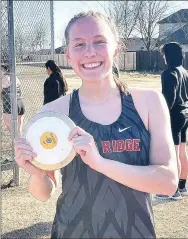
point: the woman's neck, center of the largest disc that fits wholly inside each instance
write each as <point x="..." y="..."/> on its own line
<point x="97" y="93"/>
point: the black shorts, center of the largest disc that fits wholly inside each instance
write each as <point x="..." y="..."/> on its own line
<point x="7" y="103"/>
<point x="179" y="125"/>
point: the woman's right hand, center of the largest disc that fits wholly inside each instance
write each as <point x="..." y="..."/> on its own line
<point x="24" y="155"/>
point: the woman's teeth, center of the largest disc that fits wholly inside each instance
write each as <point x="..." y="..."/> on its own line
<point x="92" y="65"/>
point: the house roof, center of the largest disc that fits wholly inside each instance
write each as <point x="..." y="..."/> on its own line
<point x="60" y="50"/>
<point x="137" y="44"/>
<point x="139" y="39"/>
<point x="181" y="36"/>
<point x="177" y="17"/>
<point x="44" y="52"/>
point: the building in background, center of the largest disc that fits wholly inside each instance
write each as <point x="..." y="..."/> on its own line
<point x="175" y="28"/>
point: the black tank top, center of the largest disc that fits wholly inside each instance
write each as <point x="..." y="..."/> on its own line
<point x="93" y="205"/>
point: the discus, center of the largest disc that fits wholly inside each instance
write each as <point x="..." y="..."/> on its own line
<point x="47" y="133"/>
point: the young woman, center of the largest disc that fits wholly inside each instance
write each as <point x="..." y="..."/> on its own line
<point x="55" y="85"/>
<point x="124" y="144"/>
<point x="175" y="90"/>
<point x="6" y="99"/>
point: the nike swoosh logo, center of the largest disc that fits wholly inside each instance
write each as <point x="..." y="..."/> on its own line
<point x="121" y="130"/>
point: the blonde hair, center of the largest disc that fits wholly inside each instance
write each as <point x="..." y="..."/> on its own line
<point x="98" y="15"/>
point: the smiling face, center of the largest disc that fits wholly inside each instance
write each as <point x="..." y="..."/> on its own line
<point x="91" y="49"/>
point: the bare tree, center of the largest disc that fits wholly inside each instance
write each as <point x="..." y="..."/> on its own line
<point x="125" y="15"/>
<point x="20" y="43"/>
<point x="61" y="37"/>
<point x="150" y="13"/>
<point x="38" y="38"/>
<point x="27" y="43"/>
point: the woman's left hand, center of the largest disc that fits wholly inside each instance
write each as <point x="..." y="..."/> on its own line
<point x="85" y="146"/>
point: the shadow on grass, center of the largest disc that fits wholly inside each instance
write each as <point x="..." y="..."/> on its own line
<point x="38" y="230"/>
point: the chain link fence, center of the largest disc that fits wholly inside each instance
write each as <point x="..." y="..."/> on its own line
<point x="6" y="142"/>
<point x="33" y="37"/>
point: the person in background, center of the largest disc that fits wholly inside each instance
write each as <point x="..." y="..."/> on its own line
<point x="6" y="98"/>
<point x="175" y="90"/>
<point x="55" y="85"/>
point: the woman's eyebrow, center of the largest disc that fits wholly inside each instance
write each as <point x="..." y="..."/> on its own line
<point x="79" y="38"/>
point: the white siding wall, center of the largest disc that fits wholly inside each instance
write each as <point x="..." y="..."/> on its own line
<point x="168" y="28"/>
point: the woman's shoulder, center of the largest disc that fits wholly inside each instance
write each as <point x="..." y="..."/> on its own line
<point x="48" y="79"/>
<point x="148" y="102"/>
<point x="147" y="97"/>
<point x="144" y="93"/>
<point x="170" y="73"/>
<point x="60" y="105"/>
<point x="52" y="79"/>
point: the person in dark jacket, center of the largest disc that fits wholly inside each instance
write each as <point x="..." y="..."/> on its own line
<point x="55" y="85"/>
<point x="175" y="90"/>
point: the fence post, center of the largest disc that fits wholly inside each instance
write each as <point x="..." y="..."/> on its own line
<point x="13" y="93"/>
<point x="137" y="61"/>
<point x="52" y="29"/>
<point x="1" y="21"/>
<point x="134" y="68"/>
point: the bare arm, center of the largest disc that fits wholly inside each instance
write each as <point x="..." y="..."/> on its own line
<point x="161" y="176"/>
<point x="43" y="186"/>
<point x="41" y="183"/>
